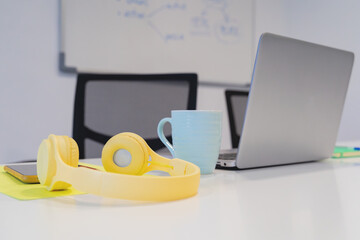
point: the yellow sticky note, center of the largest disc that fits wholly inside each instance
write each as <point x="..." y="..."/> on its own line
<point x="13" y="187"/>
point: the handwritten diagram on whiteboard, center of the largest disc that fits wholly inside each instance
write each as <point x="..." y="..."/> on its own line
<point x="213" y="38"/>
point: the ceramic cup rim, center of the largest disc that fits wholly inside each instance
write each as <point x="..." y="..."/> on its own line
<point x="214" y="111"/>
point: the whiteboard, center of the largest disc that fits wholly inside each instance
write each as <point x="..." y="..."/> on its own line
<point x="213" y="38"/>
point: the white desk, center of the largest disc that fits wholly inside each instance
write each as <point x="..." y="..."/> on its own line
<point x="318" y="200"/>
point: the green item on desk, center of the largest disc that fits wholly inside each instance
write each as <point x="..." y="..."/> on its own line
<point x="14" y="188"/>
<point x="345" y="152"/>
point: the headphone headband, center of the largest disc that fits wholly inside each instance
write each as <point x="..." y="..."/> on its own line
<point x="57" y="169"/>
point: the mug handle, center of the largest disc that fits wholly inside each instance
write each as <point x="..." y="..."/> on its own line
<point x="160" y="131"/>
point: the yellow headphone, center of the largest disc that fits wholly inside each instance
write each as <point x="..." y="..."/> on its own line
<point x="125" y="157"/>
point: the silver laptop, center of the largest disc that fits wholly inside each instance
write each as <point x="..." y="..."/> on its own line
<point x="295" y="103"/>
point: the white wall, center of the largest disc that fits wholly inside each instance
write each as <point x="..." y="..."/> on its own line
<point x="329" y="22"/>
<point x="36" y="99"/>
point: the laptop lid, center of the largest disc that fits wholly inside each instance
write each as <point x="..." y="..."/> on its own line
<point x="295" y="102"/>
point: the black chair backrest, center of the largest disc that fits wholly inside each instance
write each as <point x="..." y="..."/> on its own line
<point x="236" y="102"/>
<point x="107" y="104"/>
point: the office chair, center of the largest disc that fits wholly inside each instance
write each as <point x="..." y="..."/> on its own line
<point x="107" y="104"/>
<point x="236" y="102"/>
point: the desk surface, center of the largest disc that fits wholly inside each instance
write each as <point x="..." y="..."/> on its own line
<point x="319" y="200"/>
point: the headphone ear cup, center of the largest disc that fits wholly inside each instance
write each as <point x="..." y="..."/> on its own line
<point x="47" y="161"/>
<point x="69" y="153"/>
<point x="124" y="148"/>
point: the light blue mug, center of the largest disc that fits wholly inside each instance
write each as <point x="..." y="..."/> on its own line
<point x="196" y="136"/>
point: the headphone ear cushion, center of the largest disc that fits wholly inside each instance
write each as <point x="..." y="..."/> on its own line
<point x="136" y="153"/>
<point x="68" y="150"/>
<point x="46" y="165"/>
<point x="139" y="139"/>
<point x="73" y="153"/>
